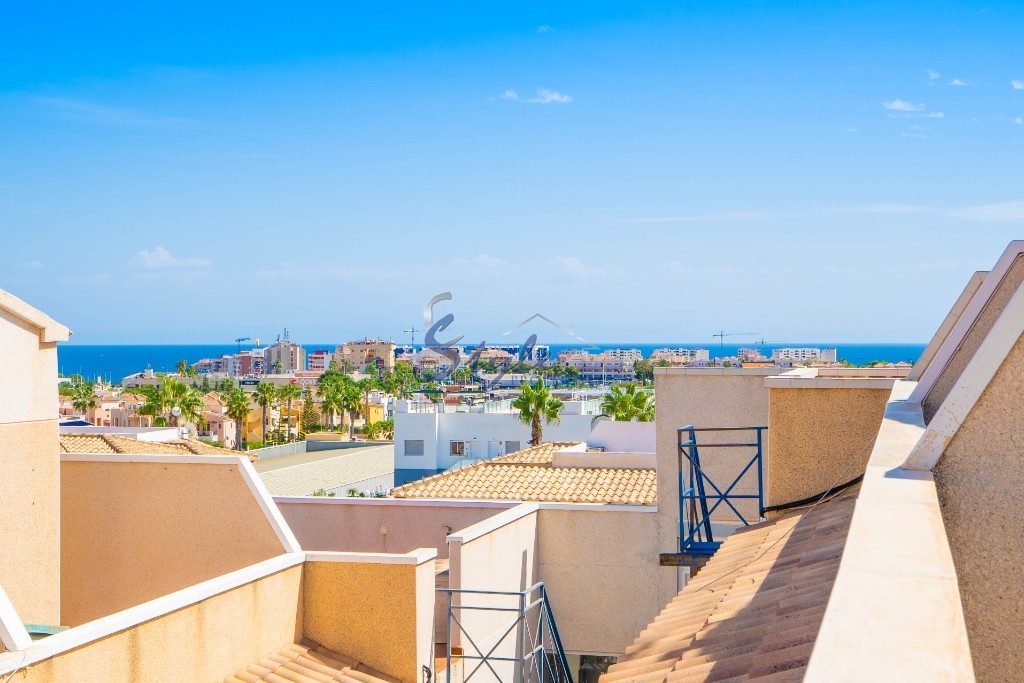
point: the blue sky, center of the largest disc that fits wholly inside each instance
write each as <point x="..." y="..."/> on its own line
<point x="638" y="171"/>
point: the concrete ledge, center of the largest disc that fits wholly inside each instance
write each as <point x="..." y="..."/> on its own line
<point x="773" y="370"/>
<point x="49" y="329"/>
<point x="126" y="619"/>
<point x="413" y="557"/>
<point x="490" y="524"/>
<point x="597" y="507"/>
<point x="402" y="502"/>
<point x="607" y="460"/>
<point x="784" y="382"/>
<point x="894" y="613"/>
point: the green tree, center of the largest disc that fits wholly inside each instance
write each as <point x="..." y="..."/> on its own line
<point x="225" y="385"/>
<point x="308" y="419"/>
<point x="182" y="367"/>
<point x="366" y="387"/>
<point x="265" y="397"/>
<point x="237" y="402"/>
<point x="535" y="403"/>
<point x="644" y="371"/>
<point x="289" y="392"/>
<point x="400" y="380"/>
<point x="350" y="403"/>
<point x="83" y="395"/>
<point x="625" y="403"/>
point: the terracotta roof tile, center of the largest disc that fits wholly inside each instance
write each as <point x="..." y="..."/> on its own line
<point x="528" y="475"/>
<point x="308" y="663"/>
<point x="754" y="611"/>
<point x="104" y="443"/>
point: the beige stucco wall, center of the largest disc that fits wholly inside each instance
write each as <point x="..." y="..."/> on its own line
<point x="136" y="531"/>
<point x="951" y="319"/>
<point x="602" y="575"/>
<point x="820" y="437"/>
<point x="30" y="545"/>
<point x="206" y="641"/>
<point x="29" y="471"/>
<point x="380" y="614"/>
<point x="720" y="397"/>
<point x="355" y="526"/>
<point x="958" y="362"/>
<point x="979" y="479"/>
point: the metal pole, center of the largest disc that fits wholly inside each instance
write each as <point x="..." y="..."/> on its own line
<point x="760" y="481"/>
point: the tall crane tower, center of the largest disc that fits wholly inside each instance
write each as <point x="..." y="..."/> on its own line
<point x="723" y="334"/>
<point x="412" y="336"/>
<point x="239" y="340"/>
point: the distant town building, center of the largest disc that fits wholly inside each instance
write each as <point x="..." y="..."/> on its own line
<point x="625" y="355"/>
<point x="804" y="354"/>
<point x="358" y="354"/>
<point x="284" y="356"/>
<point x="319" y="360"/>
<point x="680" y="356"/>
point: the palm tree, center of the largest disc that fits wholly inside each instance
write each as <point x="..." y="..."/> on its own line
<point x="266" y="395"/>
<point x="289" y="392"/>
<point x="535" y="403"/>
<point x="624" y="403"/>
<point x="84" y="396"/>
<point x="237" y="409"/>
<point x="350" y="395"/>
<point x="330" y="403"/>
<point x="366" y="387"/>
<point x="156" y="401"/>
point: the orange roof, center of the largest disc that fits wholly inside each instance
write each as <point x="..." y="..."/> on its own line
<point x="105" y="443"/>
<point x="308" y="662"/>
<point x="529" y="475"/>
<point x="753" y="611"/>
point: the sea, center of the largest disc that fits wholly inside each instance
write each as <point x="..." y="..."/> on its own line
<point x="111" y="363"/>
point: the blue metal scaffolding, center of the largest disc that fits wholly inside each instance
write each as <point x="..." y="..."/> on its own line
<point x="696" y="537"/>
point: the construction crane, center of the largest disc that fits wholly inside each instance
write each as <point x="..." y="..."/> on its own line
<point x="723" y="334"/>
<point x="412" y="336"/>
<point x="239" y="340"/>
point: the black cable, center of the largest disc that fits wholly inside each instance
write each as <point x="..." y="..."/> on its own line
<point x="811" y="499"/>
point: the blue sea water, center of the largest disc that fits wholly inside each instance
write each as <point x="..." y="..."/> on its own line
<point x="114" y="362"/>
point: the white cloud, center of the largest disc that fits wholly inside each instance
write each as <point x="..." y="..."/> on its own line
<point x="1017" y="84"/>
<point x="83" y="111"/>
<point x="574" y="266"/>
<point x="161" y="258"/>
<point x="933" y="75"/>
<point x="510" y="95"/>
<point x="674" y="267"/>
<point x="712" y="217"/>
<point x="482" y="260"/>
<point x="992" y="213"/>
<point x="891" y="208"/>
<point x="545" y="96"/>
<point x="1019" y="120"/>
<point x="915" y="131"/>
<point x="901" y="105"/>
<point x="932" y="115"/>
<point x="957" y="81"/>
<point x="544" y="28"/>
<point x="31" y="265"/>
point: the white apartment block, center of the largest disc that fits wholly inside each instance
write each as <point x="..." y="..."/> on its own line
<point x="680" y="356"/>
<point x="624" y="355"/>
<point x="804" y="354"/>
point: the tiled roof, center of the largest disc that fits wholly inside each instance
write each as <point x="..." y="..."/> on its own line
<point x="528" y="475"/>
<point x="754" y="611"/>
<point x="105" y="443"/>
<point x="308" y="662"/>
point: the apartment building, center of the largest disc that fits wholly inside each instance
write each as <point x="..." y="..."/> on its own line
<point x="804" y="355"/>
<point x="358" y="354"/>
<point x="319" y="360"/>
<point x="680" y="356"/>
<point x="284" y="356"/>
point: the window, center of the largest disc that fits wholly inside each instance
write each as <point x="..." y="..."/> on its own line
<point x="511" y="446"/>
<point x="414" y="446"/>
<point x="458" y="449"/>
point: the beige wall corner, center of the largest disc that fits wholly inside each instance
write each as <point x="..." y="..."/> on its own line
<point x="375" y="608"/>
<point x="30" y="489"/>
<point x="821" y="437"/>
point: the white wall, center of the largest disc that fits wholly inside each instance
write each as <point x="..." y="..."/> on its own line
<point x="437" y="430"/>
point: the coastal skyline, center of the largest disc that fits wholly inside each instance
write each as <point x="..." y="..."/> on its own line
<point x="654" y="171"/>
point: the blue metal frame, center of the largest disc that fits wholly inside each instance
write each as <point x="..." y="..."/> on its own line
<point x="542" y="658"/>
<point x="695" y="534"/>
